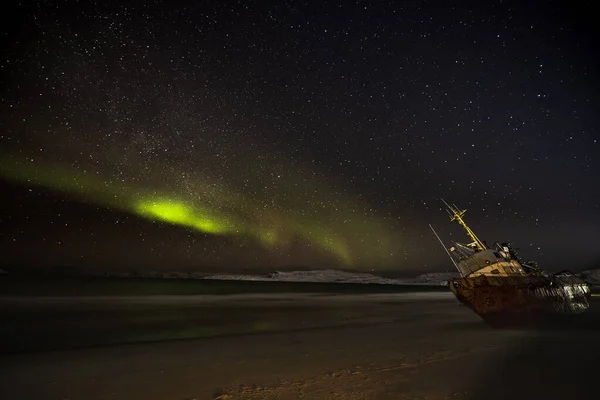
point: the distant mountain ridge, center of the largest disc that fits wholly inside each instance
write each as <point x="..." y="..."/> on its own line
<point x="314" y="276"/>
<point x="591" y="276"/>
<point x="337" y="276"/>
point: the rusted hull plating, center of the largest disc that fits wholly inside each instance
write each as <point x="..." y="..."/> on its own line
<point x="529" y="295"/>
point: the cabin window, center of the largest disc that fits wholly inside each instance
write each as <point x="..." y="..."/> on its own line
<point x="495" y="271"/>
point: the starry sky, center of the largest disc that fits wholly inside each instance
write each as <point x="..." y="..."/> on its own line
<point x="224" y="135"/>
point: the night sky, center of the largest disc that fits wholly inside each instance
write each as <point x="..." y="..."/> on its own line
<point x="284" y="134"/>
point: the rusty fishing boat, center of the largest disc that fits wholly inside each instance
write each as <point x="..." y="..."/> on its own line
<point x="502" y="289"/>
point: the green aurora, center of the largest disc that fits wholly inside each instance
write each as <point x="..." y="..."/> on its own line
<point x="233" y="218"/>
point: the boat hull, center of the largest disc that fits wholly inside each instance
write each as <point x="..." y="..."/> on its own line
<point x="521" y="298"/>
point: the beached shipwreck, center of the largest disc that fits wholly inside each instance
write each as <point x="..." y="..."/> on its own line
<point x="502" y="289"/>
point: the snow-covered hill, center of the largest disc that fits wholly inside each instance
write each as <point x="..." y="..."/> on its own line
<point x="334" y="276"/>
<point x="591" y="276"/>
<point x="325" y="276"/>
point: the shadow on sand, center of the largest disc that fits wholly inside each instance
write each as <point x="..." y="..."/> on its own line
<point x="556" y="358"/>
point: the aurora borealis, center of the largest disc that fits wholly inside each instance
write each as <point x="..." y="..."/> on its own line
<point x="207" y="209"/>
<point x="295" y="134"/>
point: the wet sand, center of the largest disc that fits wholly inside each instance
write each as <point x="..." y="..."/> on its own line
<point x="286" y="346"/>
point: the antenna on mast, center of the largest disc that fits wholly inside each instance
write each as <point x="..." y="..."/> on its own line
<point x="456" y="215"/>
<point x="444" y="246"/>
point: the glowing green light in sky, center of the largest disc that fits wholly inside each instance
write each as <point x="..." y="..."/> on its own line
<point x="267" y="237"/>
<point x="328" y="242"/>
<point x="178" y="213"/>
<point x="168" y="211"/>
<point x="212" y="209"/>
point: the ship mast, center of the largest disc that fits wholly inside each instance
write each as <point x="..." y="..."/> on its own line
<point x="456" y="215"/>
